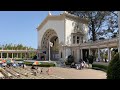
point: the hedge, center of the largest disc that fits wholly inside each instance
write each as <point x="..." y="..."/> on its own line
<point x="43" y="64"/>
<point x="99" y="67"/>
<point x="19" y="59"/>
<point x="113" y="71"/>
<point x="66" y="63"/>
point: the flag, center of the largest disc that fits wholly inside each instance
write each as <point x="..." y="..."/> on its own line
<point x="51" y="44"/>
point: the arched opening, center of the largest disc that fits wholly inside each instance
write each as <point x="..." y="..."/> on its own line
<point x="54" y="50"/>
<point x="50" y="36"/>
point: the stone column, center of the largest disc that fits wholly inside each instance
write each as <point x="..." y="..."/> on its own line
<point x="28" y="55"/>
<point x="89" y="51"/>
<point x="12" y="55"/>
<point x="78" y="54"/>
<point x="25" y="56"/>
<point x="37" y="56"/>
<point x="109" y="54"/>
<point x="21" y="55"/>
<point x="7" y="55"/>
<point x="81" y="53"/>
<point x="17" y="55"/>
<point x="99" y="54"/>
<point x="1" y="54"/>
<point x="64" y="52"/>
<point x="67" y="52"/>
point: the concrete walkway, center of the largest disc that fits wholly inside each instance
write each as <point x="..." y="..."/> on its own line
<point x="71" y="73"/>
<point x="63" y="73"/>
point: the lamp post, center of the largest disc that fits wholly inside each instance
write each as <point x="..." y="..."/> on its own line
<point x="49" y="50"/>
<point x="50" y="45"/>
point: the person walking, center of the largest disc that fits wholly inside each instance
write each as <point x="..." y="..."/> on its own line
<point x="49" y="71"/>
<point x="41" y="71"/>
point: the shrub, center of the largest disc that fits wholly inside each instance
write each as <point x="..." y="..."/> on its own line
<point x="35" y="57"/>
<point x="28" y="63"/>
<point x="19" y="59"/>
<point x="113" y="71"/>
<point x="67" y="63"/>
<point x="90" y="59"/>
<point x="45" y="64"/>
<point x="70" y="59"/>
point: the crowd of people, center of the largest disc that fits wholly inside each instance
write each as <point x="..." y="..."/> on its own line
<point x="12" y="64"/>
<point x="80" y="65"/>
<point x="36" y="70"/>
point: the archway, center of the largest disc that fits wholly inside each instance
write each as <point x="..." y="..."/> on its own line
<point x="50" y="36"/>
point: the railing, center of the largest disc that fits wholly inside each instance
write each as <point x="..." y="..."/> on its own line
<point x="18" y="50"/>
<point x="99" y="42"/>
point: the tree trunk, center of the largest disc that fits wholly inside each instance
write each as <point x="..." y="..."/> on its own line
<point x="93" y="31"/>
<point x="93" y="34"/>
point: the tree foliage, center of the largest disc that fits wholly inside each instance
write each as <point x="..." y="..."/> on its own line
<point x="113" y="71"/>
<point x="101" y="23"/>
<point x="15" y="47"/>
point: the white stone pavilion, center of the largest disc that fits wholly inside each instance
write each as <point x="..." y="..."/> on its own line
<point x="69" y="35"/>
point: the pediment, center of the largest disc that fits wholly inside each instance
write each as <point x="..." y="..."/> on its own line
<point x="59" y="17"/>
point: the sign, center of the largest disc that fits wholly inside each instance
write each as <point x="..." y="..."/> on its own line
<point x="44" y="52"/>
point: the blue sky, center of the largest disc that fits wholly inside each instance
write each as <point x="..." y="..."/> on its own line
<point x="19" y="27"/>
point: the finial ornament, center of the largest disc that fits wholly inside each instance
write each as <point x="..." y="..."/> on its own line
<point x="65" y="12"/>
<point x="49" y="13"/>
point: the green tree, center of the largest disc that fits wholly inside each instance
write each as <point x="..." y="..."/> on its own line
<point x="101" y="23"/>
<point x="113" y="71"/>
<point x="16" y="47"/>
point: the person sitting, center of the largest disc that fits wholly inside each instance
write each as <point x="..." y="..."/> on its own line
<point x="33" y="67"/>
<point x="33" y="70"/>
<point x="81" y="65"/>
<point x="14" y="65"/>
<point x="4" y="64"/>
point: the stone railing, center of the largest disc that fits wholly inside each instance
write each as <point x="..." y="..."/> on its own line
<point x="97" y="43"/>
<point x="18" y="50"/>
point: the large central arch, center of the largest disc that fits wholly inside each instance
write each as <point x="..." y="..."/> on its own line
<point x="50" y="35"/>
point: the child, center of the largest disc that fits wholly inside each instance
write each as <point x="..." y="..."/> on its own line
<point x="41" y="71"/>
<point x="49" y="71"/>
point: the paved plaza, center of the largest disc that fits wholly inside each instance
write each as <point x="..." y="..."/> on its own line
<point x="71" y="73"/>
<point x="57" y="73"/>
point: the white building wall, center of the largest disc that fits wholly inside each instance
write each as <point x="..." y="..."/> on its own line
<point x="69" y="28"/>
<point x="63" y="30"/>
<point x="68" y="52"/>
<point x="85" y="26"/>
<point x="78" y="55"/>
<point x="68" y="31"/>
<point x="57" y="25"/>
<point x="38" y="37"/>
